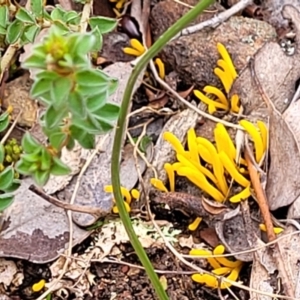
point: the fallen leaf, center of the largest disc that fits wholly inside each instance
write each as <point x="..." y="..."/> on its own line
<point x="213" y="207"/>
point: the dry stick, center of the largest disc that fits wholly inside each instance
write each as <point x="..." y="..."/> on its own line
<point x="215" y="21"/>
<point x="96" y="212"/>
<point x="264" y="208"/>
<point x="13" y="125"/>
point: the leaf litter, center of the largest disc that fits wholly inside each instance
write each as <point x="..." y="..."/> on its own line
<point x="280" y="89"/>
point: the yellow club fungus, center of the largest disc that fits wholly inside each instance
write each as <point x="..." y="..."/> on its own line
<point x="194" y="225"/>
<point x="243" y="195"/>
<point x="256" y="137"/>
<point x="161" y="68"/>
<point x="136" y="49"/>
<point x="216" y="92"/>
<point x="226" y="57"/>
<point x="37" y="287"/>
<point x="212" y="104"/>
<point x="232" y="170"/>
<point x="277" y="230"/>
<point x="234" y="103"/>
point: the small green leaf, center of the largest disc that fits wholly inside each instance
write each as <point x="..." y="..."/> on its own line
<point x="97" y="101"/>
<point x="34" y="167"/>
<point x="4" y="14"/>
<point x="14" y="186"/>
<point x="40" y="87"/>
<point x="77" y="105"/>
<point x="113" y="85"/>
<point x="59" y="168"/>
<point x="6" y="178"/>
<point x="72" y="17"/>
<point x="35" y="61"/>
<point x="81" y="44"/>
<point x="22" y="167"/>
<point x="53" y="117"/>
<point x="98" y="40"/>
<point x="89" y="124"/>
<point x="4" y="121"/>
<point x="57" y="139"/>
<point x="57" y="13"/>
<point x="60" y="90"/>
<point x="91" y="78"/>
<point x="5" y="201"/>
<point x="30" y="32"/>
<point x="29" y="143"/>
<point x="60" y="27"/>
<point x="71" y="143"/>
<point x="86" y="140"/>
<point x="25" y="16"/>
<point x="33" y="156"/>
<point x="37" y="7"/>
<point x="104" y="24"/>
<point x="145" y="142"/>
<point x="109" y="112"/>
<point x="46" y="160"/>
<point x="14" y="31"/>
<point x="41" y="177"/>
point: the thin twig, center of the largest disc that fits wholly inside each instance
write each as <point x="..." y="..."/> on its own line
<point x="217" y="20"/>
<point x="187" y="103"/>
<point x="96" y="212"/>
<point x="13" y="125"/>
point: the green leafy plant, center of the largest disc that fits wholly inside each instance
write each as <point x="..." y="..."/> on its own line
<point x="72" y="92"/>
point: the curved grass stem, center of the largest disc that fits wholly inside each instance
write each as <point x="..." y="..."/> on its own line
<point x="115" y="167"/>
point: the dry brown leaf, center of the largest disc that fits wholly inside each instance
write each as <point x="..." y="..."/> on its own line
<point x="213" y="207"/>
<point x="283" y="184"/>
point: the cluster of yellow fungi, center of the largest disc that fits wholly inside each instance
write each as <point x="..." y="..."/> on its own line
<point x="214" y="97"/>
<point x="137" y="49"/>
<point x="118" y="6"/>
<point x="221" y="266"/>
<point x="211" y="166"/>
<point x="128" y="196"/>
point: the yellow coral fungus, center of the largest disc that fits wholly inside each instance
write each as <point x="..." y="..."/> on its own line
<point x="126" y="194"/>
<point x="226" y="57"/>
<point x="200" y="180"/>
<point x="256" y="137"/>
<point x="192" y="145"/>
<point x="37" y="287"/>
<point x="264" y="133"/>
<point x="174" y="141"/>
<point x="207" y="254"/>
<point x="234" y="103"/>
<point x="212" y="104"/>
<point x="243" y="195"/>
<point x="232" y="170"/>
<point x="223" y="260"/>
<point x="136" y="49"/>
<point x="217" y="165"/>
<point x="196" y="168"/>
<point x="224" y="141"/>
<point x="158" y="184"/>
<point x="220" y="265"/>
<point x="225" y="79"/>
<point x="170" y="172"/>
<point x="277" y="230"/>
<point x="216" y="92"/>
<point x="161" y="68"/>
<point x="193" y="226"/>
